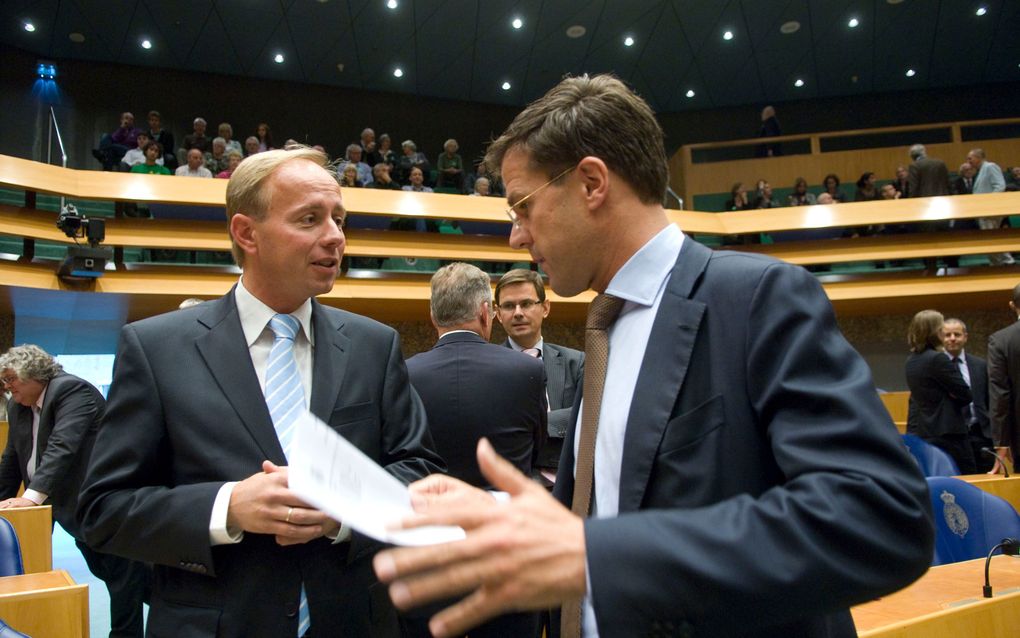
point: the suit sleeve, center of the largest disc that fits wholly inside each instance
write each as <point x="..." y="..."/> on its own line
<point x="126" y="506"/>
<point x="847" y="520"/>
<point x="913" y="179"/>
<point x="559" y="419"/>
<point x="1000" y="393"/>
<point x="75" y="410"/>
<point x="10" y="464"/>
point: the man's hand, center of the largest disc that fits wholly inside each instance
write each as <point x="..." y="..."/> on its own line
<point x="436" y="492"/>
<point x="17" y="501"/>
<point x="263" y="504"/>
<point x="525" y="554"/>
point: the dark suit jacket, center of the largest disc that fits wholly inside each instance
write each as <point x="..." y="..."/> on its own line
<point x="472" y="388"/>
<point x="70" y="416"/>
<point x="186" y="415"/>
<point x="564" y="376"/>
<point x="938" y="395"/>
<point x="978" y="369"/>
<point x="928" y="177"/>
<point x="1004" y="387"/>
<point x="761" y="477"/>
<point x="960" y="186"/>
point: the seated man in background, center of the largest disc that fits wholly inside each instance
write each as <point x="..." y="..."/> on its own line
<point x="521" y="307"/>
<point x="113" y="146"/>
<point x="136" y="156"/>
<point x="153" y="155"/>
<point x="54" y="417"/>
<point x="381" y="173"/>
<point x="353" y="156"/>
<point x="165" y="138"/>
<point x="197" y="138"/>
<point x="472" y="389"/>
<point x="194" y="166"/>
<point x="411" y="158"/>
<point x="417" y="184"/>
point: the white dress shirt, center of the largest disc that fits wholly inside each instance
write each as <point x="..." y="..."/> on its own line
<point x="640" y="282"/>
<point x="539" y="345"/>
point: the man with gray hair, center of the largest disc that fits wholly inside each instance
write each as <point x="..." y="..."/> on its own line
<point x="989" y="179"/>
<point x="473" y="389"/>
<point x="927" y="176"/>
<point x="54" y="417"/>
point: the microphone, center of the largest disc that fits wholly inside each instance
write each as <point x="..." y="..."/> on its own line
<point x="1009" y="547"/>
<point x="986" y="450"/>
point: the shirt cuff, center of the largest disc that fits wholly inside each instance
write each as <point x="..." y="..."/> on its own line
<point x="219" y="534"/>
<point x="342" y="535"/>
<point x="36" y="497"/>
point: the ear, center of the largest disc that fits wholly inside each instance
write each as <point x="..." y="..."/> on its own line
<point x="546" y="306"/>
<point x="242" y="230"/>
<point x="594" y="176"/>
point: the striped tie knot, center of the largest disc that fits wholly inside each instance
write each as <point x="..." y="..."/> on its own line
<point x="284" y="326"/>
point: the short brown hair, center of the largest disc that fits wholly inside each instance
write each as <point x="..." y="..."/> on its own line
<point x="245" y="192"/>
<point x="590" y="116"/>
<point x="518" y="276"/>
<point x="924" y="331"/>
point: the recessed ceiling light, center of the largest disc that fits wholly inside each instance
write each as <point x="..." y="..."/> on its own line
<point x="728" y="35"/>
<point x="146" y="44"/>
<point x="29" y="27"/>
<point x="278" y="58"/>
<point x="799" y="83"/>
<point x="517" y="23"/>
<point x="981" y="11"/>
<point x="340" y="67"/>
<point x="628" y="41"/>
<point x="789" y="27"/>
<point x="690" y="92"/>
<point x="911" y="73"/>
<point x="853" y="23"/>
<point x="894" y="1"/>
<point x="392" y="4"/>
<point x="506" y="86"/>
<point x="576" y="31"/>
<point x="76" y="37"/>
<point x="398" y="72"/>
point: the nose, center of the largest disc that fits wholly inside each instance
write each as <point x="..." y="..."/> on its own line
<point x="519" y="238"/>
<point x="333" y="235"/>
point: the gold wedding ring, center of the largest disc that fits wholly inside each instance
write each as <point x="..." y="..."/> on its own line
<point x="290" y="510"/>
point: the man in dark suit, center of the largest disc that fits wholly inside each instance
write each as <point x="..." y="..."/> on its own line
<point x="742" y="467"/>
<point x="1004" y="384"/>
<point x="927" y="177"/>
<point x="472" y="389"/>
<point x="974" y="370"/>
<point x="53" y="419"/>
<point x="521" y="307"/>
<point x="964" y="182"/>
<point x="188" y="471"/>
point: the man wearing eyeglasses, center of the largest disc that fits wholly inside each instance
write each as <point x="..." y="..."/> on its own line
<point x="521" y="307"/>
<point x="731" y="470"/>
<point x="54" y="417"/>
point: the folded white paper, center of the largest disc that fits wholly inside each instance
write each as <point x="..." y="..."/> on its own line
<point x="331" y="474"/>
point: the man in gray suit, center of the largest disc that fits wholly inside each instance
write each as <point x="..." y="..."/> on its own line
<point x="746" y="479"/>
<point x="521" y="307"/>
<point x="1004" y="384"/>
<point x="189" y="467"/>
<point x="53" y="420"/>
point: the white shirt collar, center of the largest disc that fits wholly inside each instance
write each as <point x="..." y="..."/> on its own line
<point x="962" y="355"/>
<point x="42" y="397"/>
<point x="640" y="279"/>
<point x="255" y="315"/>
<point x="540" y="345"/>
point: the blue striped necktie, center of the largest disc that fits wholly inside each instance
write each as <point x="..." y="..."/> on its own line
<point x="285" y="398"/>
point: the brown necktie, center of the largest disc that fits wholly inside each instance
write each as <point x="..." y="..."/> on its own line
<point x="601" y="314"/>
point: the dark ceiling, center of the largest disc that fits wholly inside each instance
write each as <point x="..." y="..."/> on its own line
<point x="467" y="49"/>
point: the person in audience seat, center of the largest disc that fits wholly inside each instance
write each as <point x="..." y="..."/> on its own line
<point x="866" y="191"/>
<point x="165" y="138"/>
<point x="381" y="177"/>
<point x="226" y="132"/>
<point x="763" y="196"/>
<point x="902" y="182"/>
<point x="194" y="167"/>
<point x="197" y="138"/>
<point x="233" y="161"/>
<point x="217" y="160"/>
<point x="800" y="195"/>
<point x="411" y="158"/>
<point x="153" y="154"/>
<point x="352" y="157"/>
<point x="831" y="185"/>
<point x="450" y="166"/>
<point x="113" y="146"/>
<point x="136" y="155"/>
<point x="417" y="184"/>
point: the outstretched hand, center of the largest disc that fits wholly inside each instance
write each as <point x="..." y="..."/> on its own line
<point x="528" y="553"/>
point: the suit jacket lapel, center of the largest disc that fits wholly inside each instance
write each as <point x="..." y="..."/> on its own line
<point x="662" y="373"/>
<point x="329" y="363"/>
<point x="226" y="354"/>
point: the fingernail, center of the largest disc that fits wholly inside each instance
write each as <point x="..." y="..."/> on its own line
<point x="399" y="594"/>
<point x="437" y="627"/>
<point x="385" y="568"/>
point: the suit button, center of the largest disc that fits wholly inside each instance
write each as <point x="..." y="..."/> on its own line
<point x="290" y="609"/>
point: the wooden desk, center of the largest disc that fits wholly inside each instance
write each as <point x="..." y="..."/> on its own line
<point x="46" y="605"/>
<point x="897" y="403"/>
<point x="34" y="526"/>
<point x="947" y="603"/>
<point x="1004" y="488"/>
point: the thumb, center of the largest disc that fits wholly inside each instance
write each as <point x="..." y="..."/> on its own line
<point x="499" y="471"/>
<point x="269" y="467"/>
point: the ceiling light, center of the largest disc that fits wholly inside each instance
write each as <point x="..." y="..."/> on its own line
<point x="981" y="11"/>
<point x="576" y="31"/>
<point x="911" y="73"/>
<point x="628" y="41"/>
<point x="517" y="23"/>
<point x="340" y="67"/>
<point x="799" y="83"/>
<point x="278" y="58"/>
<point x="29" y="27"/>
<point x="894" y="1"/>
<point x="853" y="23"/>
<point x="398" y="72"/>
<point x="506" y="86"/>
<point x="728" y="35"/>
<point x="690" y="92"/>
<point x="76" y="37"/>
<point x="392" y="4"/>
<point x="146" y="44"/>
<point x="789" y="27"/>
